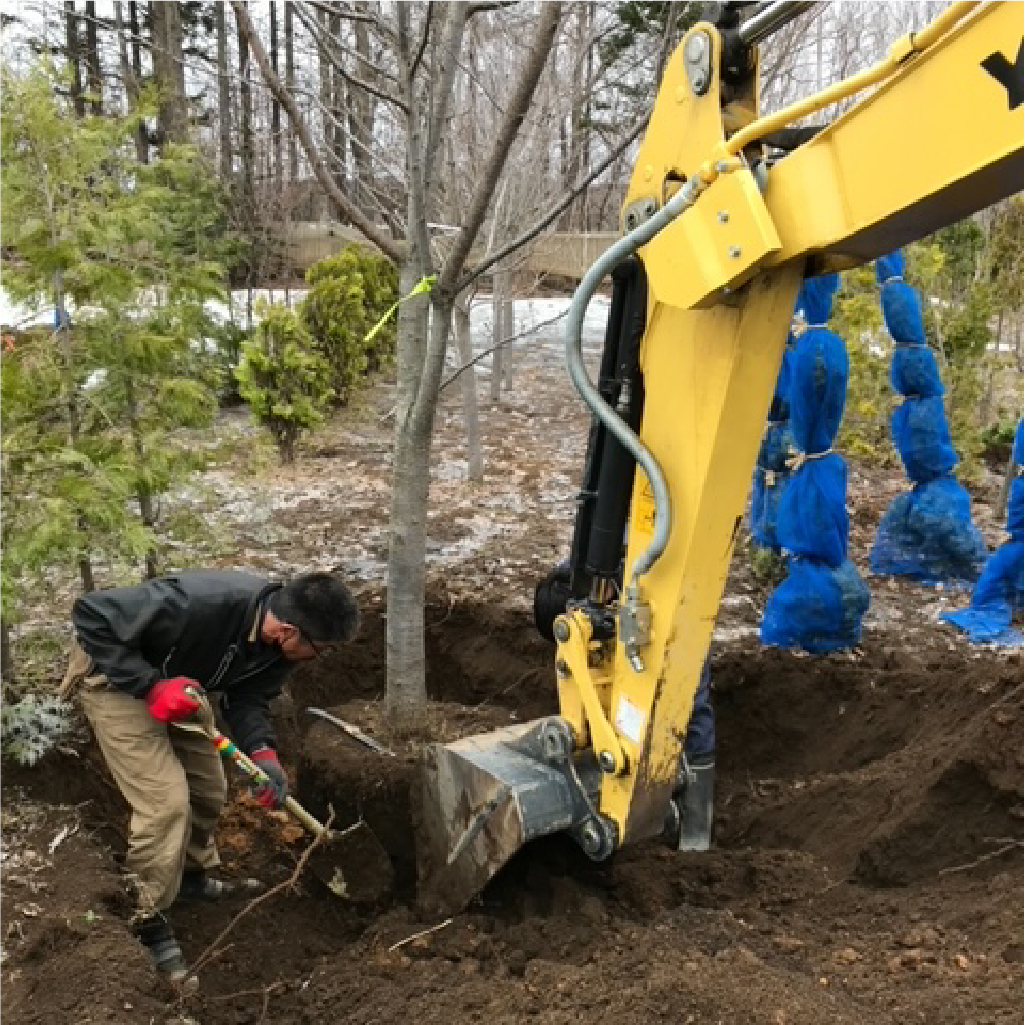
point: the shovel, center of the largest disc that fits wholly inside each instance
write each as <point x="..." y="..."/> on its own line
<point x="358" y="869"/>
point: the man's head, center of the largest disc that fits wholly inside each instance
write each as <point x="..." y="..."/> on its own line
<point x="310" y="616"/>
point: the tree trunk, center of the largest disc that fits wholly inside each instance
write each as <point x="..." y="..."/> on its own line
<point x="578" y="100"/>
<point x="286" y="448"/>
<point x="131" y="80"/>
<point x="141" y="132"/>
<point x="497" y="336"/>
<point x="73" y="48"/>
<point x="1019" y="330"/>
<point x="508" y="330"/>
<point x="336" y="137"/>
<point x="246" y="102"/>
<point x="85" y="569"/>
<point x="293" y="149"/>
<point x="464" y="346"/>
<point x="92" y="59"/>
<point x="362" y="109"/>
<point x="6" y="654"/>
<point x="223" y="96"/>
<point x="410" y="485"/>
<point x="143" y="494"/>
<point x="169" y="72"/>
<point x="324" y="78"/>
<point x="275" y="109"/>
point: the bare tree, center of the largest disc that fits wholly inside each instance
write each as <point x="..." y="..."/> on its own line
<point x="275" y="114"/>
<point x="427" y="42"/>
<point x="464" y="347"/>
<point x="169" y="72"/>
<point x="223" y="95"/>
<point x="293" y="151"/>
<point x="72" y="43"/>
<point x="92" y="59"/>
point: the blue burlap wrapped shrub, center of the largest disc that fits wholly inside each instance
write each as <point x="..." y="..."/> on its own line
<point x="820" y="604"/>
<point x="926" y="534"/>
<point x="1000" y="589"/>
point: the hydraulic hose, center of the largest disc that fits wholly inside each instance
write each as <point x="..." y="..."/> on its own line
<point x="624" y="247"/>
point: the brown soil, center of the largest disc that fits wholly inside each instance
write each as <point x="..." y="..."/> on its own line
<point x="868" y="867"/>
<point x="868" y="864"/>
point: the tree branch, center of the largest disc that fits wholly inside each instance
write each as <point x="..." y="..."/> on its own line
<point x="515" y="112"/>
<point x="329" y="47"/>
<point x="451" y="41"/>
<point x="424" y="36"/>
<point x="385" y="243"/>
<point x="532" y="232"/>
<point x="211" y="951"/>
<point x="504" y="342"/>
<point x="350" y="15"/>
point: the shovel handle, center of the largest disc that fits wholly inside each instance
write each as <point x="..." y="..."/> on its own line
<point x="228" y="749"/>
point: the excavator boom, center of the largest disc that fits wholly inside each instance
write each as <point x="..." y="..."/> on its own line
<point x="718" y="235"/>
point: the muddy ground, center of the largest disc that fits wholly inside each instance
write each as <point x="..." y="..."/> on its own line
<point x="868" y="861"/>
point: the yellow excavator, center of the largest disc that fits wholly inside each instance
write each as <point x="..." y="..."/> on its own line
<point x="727" y="211"/>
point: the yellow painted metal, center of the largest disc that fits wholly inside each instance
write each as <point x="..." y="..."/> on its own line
<point x="708" y="381"/>
<point x="677" y="120"/>
<point x="716" y="244"/>
<point x="583" y="690"/>
<point x="709" y="372"/>
<point x="933" y="144"/>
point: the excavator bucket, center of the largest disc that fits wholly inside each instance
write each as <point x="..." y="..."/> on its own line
<point x="485" y="796"/>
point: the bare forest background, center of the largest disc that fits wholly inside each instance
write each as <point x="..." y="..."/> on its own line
<point x="450" y="143"/>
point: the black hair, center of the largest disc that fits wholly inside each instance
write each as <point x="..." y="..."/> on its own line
<point x="320" y="605"/>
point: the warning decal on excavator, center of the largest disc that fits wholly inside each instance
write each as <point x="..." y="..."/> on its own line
<point x="1010" y="76"/>
<point x="629" y="720"/>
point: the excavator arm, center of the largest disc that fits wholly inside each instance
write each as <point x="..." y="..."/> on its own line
<point x="719" y="231"/>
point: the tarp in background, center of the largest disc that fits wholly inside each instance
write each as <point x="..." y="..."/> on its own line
<point x="820" y="605"/>
<point x="927" y="533"/>
<point x="1000" y="589"/>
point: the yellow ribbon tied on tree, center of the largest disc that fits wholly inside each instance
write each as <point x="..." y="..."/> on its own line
<point x="425" y="284"/>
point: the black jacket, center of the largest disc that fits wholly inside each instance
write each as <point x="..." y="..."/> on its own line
<point x="196" y="624"/>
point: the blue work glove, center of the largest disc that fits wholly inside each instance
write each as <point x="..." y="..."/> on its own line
<point x="272" y="794"/>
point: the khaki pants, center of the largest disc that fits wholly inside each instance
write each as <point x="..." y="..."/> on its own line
<point x="172" y="779"/>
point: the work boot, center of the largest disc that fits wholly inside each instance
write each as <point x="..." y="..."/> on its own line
<point x="696" y="802"/>
<point x="197" y="885"/>
<point x="156" y="935"/>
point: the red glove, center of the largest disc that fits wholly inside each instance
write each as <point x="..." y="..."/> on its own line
<point x="271" y="794"/>
<point x="168" y="702"/>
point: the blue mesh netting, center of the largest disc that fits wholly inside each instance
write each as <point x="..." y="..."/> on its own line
<point x="811" y="519"/>
<point x="769" y="476"/>
<point x="926" y="534"/>
<point x="922" y="438"/>
<point x="817" y="608"/>
<point x="815" y="298"/>
<point x="913" y="372"/>
<point x="1016" y="509"/>
<point x="820" y="605"/>
<point x="818" y="387"/>
<point x="1000" y="589"/>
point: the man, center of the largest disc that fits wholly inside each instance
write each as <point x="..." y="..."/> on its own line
<point x="144" y="658"/>
<point x="695" y="791"/>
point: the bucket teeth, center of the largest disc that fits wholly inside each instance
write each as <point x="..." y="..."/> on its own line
<point x="483" y="798"/>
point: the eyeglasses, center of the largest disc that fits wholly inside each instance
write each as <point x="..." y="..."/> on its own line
<point x="317" y="649"/>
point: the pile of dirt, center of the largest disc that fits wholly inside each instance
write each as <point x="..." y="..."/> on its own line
<point x="68" y="954"/>
<point x="867" y="867"/>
